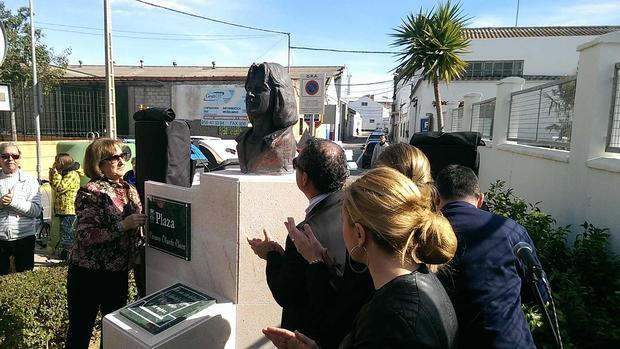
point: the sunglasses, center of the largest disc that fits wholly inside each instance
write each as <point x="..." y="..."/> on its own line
<point x="117" y="157"/>
<point x="7" y="156"/>
<point x="296" y="165"/>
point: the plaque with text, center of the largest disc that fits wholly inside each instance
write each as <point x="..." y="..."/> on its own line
<point x="168" y="227"/>
<point x="166" y="308"/>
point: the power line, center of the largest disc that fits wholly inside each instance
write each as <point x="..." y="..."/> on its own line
<point x="337" y="50"/>
<point x="366" y="83"/>
<point x="164" y="39"/>
<point x="269" y="49"/>
<point x="212" y="19"/>
<point x="147" y="33"/>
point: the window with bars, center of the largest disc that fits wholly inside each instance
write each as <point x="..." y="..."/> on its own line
<point x="613" y="139"/>
<point x="494" y="69"/>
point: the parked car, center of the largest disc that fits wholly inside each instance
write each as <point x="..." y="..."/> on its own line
<point x="219" y="153"/>
<point x="366" y="156"/>
<point x="375" y="136"/>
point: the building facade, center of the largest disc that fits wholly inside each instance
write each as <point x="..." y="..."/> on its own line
<point x="537" y="54"/>
<point x="374" y="115"/>
<point x="76" y="108"/>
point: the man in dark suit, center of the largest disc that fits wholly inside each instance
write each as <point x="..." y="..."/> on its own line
<point x="321" y="296"/>
<point x="486" y="278"/>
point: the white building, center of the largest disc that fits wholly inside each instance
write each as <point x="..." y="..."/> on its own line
<point x="374" y="115"/>
<point x="537" y="54"/>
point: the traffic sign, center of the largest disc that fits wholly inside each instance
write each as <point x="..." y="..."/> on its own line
<point x="308" y="118"/>
<point x="312" y="100"/>
<point x="312" y="87"/>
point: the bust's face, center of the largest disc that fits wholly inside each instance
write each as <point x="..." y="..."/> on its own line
<point x="257" y="94"/>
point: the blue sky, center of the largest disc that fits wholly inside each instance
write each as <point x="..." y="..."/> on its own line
<point x="339" y="24"/>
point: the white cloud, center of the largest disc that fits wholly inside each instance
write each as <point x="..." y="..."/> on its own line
<point x="577" y="13"/>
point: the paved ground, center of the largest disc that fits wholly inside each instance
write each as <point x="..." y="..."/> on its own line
<point x="42" y="259"/>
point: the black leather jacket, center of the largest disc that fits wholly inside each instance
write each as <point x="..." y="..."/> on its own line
<point x="411" y="311"/>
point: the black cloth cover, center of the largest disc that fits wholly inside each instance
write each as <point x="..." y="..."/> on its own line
<point x="179" y="167"/>
<point x="154" y="114"/>
<point x="443" y="149"/>
<point x="162" y="148"/>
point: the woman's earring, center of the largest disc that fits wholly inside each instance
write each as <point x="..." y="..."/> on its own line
<point x="358" y="271"/>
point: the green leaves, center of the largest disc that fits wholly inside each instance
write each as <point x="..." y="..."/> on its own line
<point x="432" y="43"/>
<point x="16" y="68"/>
<point x="33" y="308"/>
<point x="584" y="275"/>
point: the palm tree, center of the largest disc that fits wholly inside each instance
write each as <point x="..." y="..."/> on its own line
<point x="432" y="43"/>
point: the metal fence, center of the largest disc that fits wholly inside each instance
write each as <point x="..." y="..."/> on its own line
<point x="68" y="112"/>
<point x="542" y="115"/>
<point x="456" y="123"/>
<point x="482" y="114"/>
<point x="613" y="137"/>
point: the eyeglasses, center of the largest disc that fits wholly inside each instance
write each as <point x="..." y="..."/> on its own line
<point x="117" y="157"/>
<point x="6" y="156"/>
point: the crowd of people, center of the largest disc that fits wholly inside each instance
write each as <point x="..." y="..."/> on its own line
<point x="442" y="270"/>
<point x="393" y="260"/>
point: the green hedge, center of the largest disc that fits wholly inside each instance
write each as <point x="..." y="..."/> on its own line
<point x="584" y="275"/>
<point x="33" y="308"/>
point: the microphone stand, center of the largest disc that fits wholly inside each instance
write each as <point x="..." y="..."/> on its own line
<point x="536" y="277"/>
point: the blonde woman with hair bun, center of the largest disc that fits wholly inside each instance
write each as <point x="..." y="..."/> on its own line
<point x="408" y="160"/>
<point x="389" y="227"/>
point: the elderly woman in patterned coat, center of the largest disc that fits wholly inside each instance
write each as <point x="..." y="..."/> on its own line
<point x="107" y="237"/>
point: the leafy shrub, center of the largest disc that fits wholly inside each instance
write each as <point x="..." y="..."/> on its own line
<point x="584" y="275"/>
<point x="33" y="308"/>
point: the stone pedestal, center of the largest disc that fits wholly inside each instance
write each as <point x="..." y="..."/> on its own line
<point x="210" y="328"/>
<point x="226" y="209"/>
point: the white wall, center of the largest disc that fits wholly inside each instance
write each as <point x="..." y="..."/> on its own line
<point x="574" y="186"/>
<point x="372" y="114"/>
<point x="552" y="56"/>
<point x="452" y="93"/>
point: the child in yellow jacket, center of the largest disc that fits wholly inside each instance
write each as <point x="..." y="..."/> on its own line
<point x="64" y="179"/>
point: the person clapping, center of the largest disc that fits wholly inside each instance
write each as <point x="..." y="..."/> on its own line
<point x="388" y="225"/>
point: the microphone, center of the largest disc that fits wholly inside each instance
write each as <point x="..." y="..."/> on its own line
<point x="524" y="252"/>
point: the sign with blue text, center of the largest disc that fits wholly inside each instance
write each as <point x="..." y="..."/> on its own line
<point x="213" y="105"/>
<point x="168" y="226"/>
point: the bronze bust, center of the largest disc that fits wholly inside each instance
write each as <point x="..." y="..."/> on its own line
<point x="269" y="146"/>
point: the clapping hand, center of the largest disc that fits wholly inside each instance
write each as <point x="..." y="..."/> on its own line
<point x="306" y="243"/>
<point x="285" y="339"/>
<point x="262" y="247"/>
<point x="7" y="198"/>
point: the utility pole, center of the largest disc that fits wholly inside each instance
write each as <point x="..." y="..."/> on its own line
<point x="348" y="85"/>
<point x="289" y="53"/>
<point x="110" y="95"/>
<point x="35" y="93"/>
<point x="393" y="113"/>
<point x="517" y="16"/>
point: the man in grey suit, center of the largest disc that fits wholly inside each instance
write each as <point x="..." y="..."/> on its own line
<point x="320" y="295"/>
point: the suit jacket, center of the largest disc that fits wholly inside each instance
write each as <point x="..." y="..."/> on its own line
<point x="316" y="301"/>
<point x="486" y="282"/>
